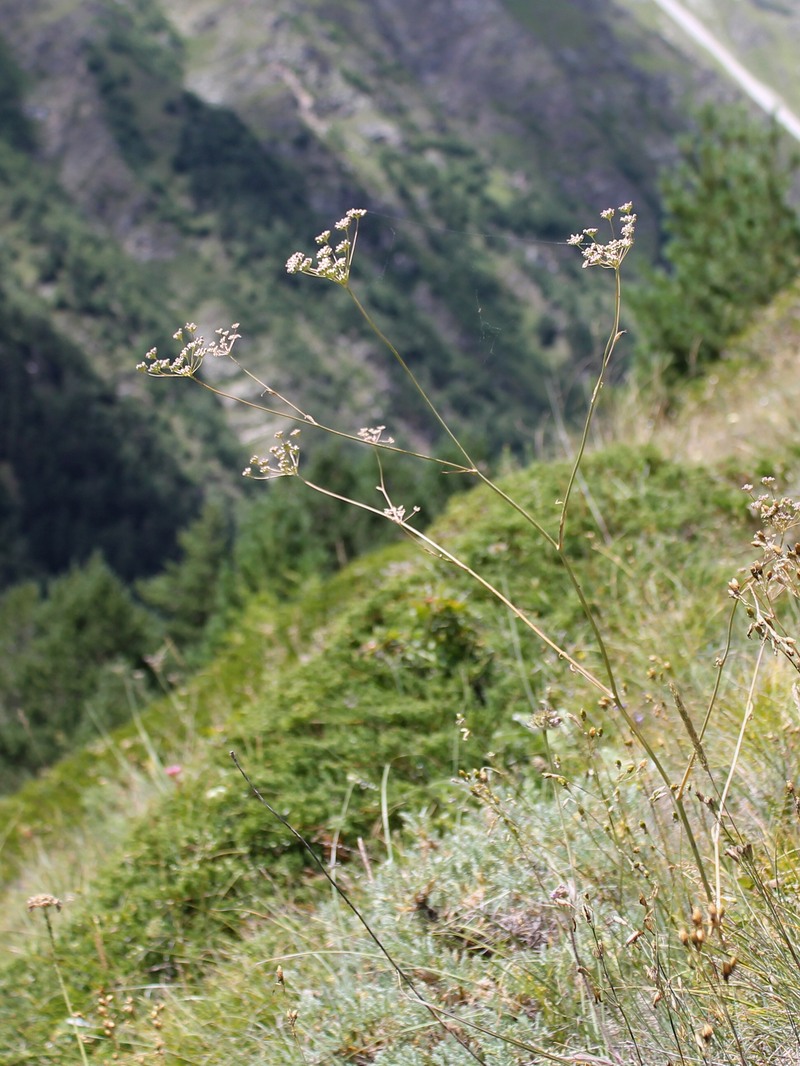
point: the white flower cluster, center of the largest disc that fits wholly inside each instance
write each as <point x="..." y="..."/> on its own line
<point x="283" y="459"/>
<point x="374" y="435"/>
<point x="609" y="255"/>
<point x="333" y="263"/>
<point x="190" y="358"/>
<point x="398" y="514"/>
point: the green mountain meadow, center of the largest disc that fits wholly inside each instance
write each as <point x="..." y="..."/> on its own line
<point x="472" y="735"/>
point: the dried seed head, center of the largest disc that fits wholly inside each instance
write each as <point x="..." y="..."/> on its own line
<point x="697" y="937"/>
<point x="43" y="901"/>
<point x="706" y="1034"/>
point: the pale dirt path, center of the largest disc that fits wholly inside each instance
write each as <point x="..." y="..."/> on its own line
<point x="759" y="92"/>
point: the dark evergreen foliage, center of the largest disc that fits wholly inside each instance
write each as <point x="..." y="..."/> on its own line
<point x="733" y="240"/>
<point x="65" y="661"/>
<point x="15" y="127"/>
<point x="82" y="470"/>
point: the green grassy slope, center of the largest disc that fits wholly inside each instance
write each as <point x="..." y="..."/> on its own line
<point x="364" y="711"/>
<point x="366" y="675"/>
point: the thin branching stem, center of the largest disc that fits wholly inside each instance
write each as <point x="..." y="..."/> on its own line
<point x="472" y="467"/>
<point x="309" y="420"/>
<point x="556" y="544"/>
<point x="439" y="1014"/>
<point x="440" y="552"/>
<point x="721" y="662"/>
<point x="411" y="376"/>
<point x="612" y="690"/>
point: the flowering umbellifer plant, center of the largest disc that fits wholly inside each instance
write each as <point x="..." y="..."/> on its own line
<point x="332" y="263"/>
<point x="335" y="264"/>
<point x="773" y="576"/>
<point x="610" y="255"/>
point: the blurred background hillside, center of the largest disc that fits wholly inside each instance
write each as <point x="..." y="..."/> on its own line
<point x="161" y="161"/>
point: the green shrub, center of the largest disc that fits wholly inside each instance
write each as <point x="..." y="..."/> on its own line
<point x="733" y="240"/>
<point x="65" y="663"/>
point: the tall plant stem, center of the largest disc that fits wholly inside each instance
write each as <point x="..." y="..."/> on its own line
<point x="411" y="376"/>
<point x="404" y="977"/>
<point x="63" y="987"/>
<point x="716" y="832"/>
<point x="611" y="344"/>
<point x="711" y="703"/>
<point x="611" y="691"/>
<point x="439" y="1014"/>
<point x="441" y="552"/>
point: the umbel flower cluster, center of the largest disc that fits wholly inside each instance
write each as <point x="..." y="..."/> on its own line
<point x="332" y="263"/>
<point x="283" y="459"/>
<point x="190" y="358"/>
<point x="609" y="255"/>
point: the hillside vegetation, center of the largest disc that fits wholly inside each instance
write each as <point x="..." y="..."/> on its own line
<point x="153" y="174"/>
<point x="502" y="827"/>
<point x="422" y="753"/>
<point x="760" y="34"/>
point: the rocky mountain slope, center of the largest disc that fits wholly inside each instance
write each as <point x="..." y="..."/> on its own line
<point x="457" y="121"/>
<point x="760" y="35"/>
<point x="175" y="155"/>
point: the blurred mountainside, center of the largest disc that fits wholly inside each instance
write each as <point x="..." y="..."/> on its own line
<point x="160" y="162"/>
<point x="761" y="35"/>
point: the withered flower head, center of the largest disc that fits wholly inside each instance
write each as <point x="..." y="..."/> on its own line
<point x="43" y="901"/>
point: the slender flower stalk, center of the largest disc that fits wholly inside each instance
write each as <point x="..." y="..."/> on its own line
<point x="333" y="261"/>
<point x="44" y="902"/>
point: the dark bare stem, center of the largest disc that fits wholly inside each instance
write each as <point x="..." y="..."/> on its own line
<point x="344" y="896"/>
<point x="438" y="1013"/>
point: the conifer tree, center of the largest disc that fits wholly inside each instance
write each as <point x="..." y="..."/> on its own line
<point x="732" y="240"/>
